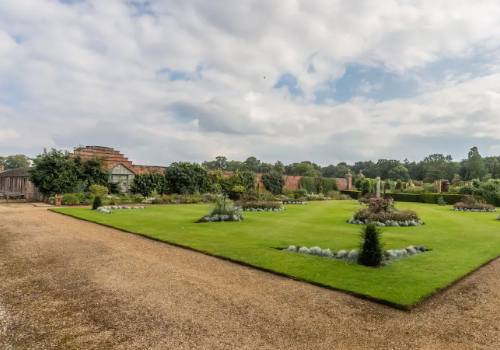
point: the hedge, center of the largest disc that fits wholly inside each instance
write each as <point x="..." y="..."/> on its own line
<point x="352" y="194"/>
<point x="329" y="185"/>
<point x="432" y="198"/>
<point x="308" y="184"/>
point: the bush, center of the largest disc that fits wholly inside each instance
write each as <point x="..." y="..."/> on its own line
<point x="383" y="211"/>
<point x="300" y="193"/>
<point x="366" y="198"/>
<point x="329" y="185"/>
<point x="430" y="188"/>
<point x="99" y="191"/>
<point x="308" y="184"/>
<point x="97" y="203"/>
<point x="371" y="249"/>
<point x="144" y="184"/>
<point x="259" y="205"/>
<point x="366" y="186"/>
<point x="70" y="198"/>
<point x="441" y="201"/>
<point x="274" y="182"/>
<point x="337" y="196"/>
<point x="414" y="190"/>
<point x="186" y="178"/>
<point x="352" y="194"/>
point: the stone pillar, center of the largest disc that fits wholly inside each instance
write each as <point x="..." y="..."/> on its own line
<point x="348" y="178"/>
<point x="378" y="187"/>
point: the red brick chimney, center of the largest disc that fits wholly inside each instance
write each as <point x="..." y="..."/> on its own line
<point x="348" y="178"/>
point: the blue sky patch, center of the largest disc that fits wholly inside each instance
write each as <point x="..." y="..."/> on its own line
<point x="290" y="81"/>
<point x="142" y="7"/>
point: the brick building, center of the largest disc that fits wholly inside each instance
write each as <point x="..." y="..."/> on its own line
<point x="122" y="170"/>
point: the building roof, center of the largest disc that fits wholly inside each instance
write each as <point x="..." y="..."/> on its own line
<point x="15" y="172"/>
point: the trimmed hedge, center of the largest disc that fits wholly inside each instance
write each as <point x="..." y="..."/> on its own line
<point x="352" y="194"/>
<point x="432" y="198"/>
<point x="308" y="184"/>
<point x="329" y="185"/>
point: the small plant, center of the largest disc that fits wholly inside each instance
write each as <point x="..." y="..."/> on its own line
<point x="352" y="257"/>
<point x="69" y="198"/>
<point x="97" y="203"/>
<point x="341" y="254"/>
<point x="304" y="250"/>
<point x="441" y="201"/>
<point x="371" y="247"/>
<point x="315" y="251"/>
<point x="291" y="248"/>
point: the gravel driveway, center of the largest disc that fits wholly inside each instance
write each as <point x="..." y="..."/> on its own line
<point x="84" y="286"/>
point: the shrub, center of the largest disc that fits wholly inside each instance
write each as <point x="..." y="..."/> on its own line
<point x="187" y="178"/>
<point x="399" y="185"/>
<point x="430" y="188"/>
<point x="341" y="254"/>
<point x="414" y="189"/>
<point x="70" y="198"/>
<point x="441" y="201"/>
<point x="99" y="191"/>
<point x="315" y="251"/>
<point x="366" y="186"/>
<point x="383" y="211"/>
<point x="144" y="184"/>
<point x="300" y="193"/>
<point x="371" y="248"/>
<point x="352" y="194"/>
<point x="97" y="203"/>
<point x="259" y="205"/>
<point x="326" y="253"/>
<point x="274" y="182"/>
<point x="366" y="198"/>
<point x="308" y="184"/>
<point x="304" y="250"/>
<point x="337" y="196"/>
<point x="352" y="257"/>
<point x="328" y="185"/>
<point x="291" y="248"/>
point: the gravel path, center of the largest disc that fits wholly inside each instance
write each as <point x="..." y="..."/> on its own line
<point x="84" y="286"/>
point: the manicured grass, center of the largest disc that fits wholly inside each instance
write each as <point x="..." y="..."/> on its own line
<point x="460" y="243"/>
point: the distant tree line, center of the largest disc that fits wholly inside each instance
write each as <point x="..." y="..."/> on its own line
<point x="431" y="168"/>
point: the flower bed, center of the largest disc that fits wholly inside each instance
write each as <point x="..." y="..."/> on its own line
<point x="295" y="202"/>
<point x="107" y="210"/>
<point x="259" y="206"/>
<point x="471" y="204"/>
<point x="365" y="199"/>
<point x="235" y="217"/>
<point x="382" y="213"/>
<point x="390" y="256"/>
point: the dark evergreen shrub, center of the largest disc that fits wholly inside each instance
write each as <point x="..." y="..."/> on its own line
<point x="97" y="203"/>
<point x="274" y="182"/>
<point x="372" y="249"/>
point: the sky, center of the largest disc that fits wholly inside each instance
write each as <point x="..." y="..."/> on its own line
<point x="294" y="80"/>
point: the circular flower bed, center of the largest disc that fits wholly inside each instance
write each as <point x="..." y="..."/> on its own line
<point x="294" y="202"/>
<point x="471" y="204"/>
<point x="259" y="206"/>
<point x="382" y="213"/>
<point x="352" y="256"/>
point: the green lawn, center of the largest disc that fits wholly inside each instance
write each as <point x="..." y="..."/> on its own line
<point x="460" y="243"/>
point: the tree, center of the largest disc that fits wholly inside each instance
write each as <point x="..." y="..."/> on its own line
<point x="91" y="171"/>
<point x="279" y="167"/>
<point x="54" y="172"/>
<point x="384" y="166"/>
<point x="341" y="171"/>
<point x="15" y="162"/>
<point x="187" y="178"/>
<point x="399" y="173"/>
<point x="252" y="163"/>
<point x="266" y="168"/>
<point x="304" y="169"/>
<point x="474" y="165"/>
<point x="274" y="182"/>
<point x="147" y="183"/>
<point x="329" y="171"/>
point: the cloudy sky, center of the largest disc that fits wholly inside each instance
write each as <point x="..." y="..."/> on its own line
<point x="294" y="80"/>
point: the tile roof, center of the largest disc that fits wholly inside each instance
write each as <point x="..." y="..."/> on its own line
<point x="15" y="172"/>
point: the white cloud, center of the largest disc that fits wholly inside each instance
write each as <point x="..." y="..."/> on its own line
<point x="88" y="73"/>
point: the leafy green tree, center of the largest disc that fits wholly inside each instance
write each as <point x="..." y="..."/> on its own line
<point x="474" y="166"/>
<point x="341" y="171"/>
<point x="247" y="179"/>
<point x="15" y="162"/>
<point x="279" y="167"/>
<point x="252" y="163"/>
<point x="384" y="166"/>
<point x="54" y="172"/>
<point x="234" y="165"/>
<point x="329" y="171"/>
<point x="266" y="168"/>
<point x="187" y="178"/>
<point x="92" y="171"/>
<point x="274" y="182"/>
<point x="399" y="173"/>
<point x="304" y="169"/>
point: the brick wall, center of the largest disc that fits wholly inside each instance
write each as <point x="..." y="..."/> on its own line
<point x="114" y="158"/>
